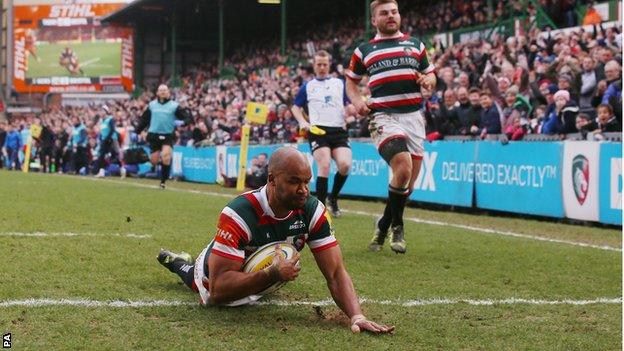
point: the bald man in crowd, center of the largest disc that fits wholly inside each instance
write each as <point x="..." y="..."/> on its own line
<point x="281" y="211"/>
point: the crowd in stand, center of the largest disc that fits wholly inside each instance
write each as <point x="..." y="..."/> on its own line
<point x="536" y="83"/>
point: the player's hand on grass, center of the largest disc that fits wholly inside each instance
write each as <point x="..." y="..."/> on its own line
<point x="360" y="323"/>
<point x="283" y="269"/>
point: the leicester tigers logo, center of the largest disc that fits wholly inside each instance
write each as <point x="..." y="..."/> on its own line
<point x="411" y="53"/>
<point x="580" y="178"/>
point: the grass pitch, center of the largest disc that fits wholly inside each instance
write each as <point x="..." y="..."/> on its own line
<point x="96" y="59"/>
<point x="442" y="263"/>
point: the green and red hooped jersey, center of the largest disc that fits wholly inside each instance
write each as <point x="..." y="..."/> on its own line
<point x="248" y="223"/>
<point x="391" y="65"/>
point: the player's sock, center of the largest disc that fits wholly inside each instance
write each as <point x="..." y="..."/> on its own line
<point x="185" y="271"/>
<point x="321" y="189"/>
<point x="180" y="264"/>
<point x="397" y="198"/>
<point x="164" y="172"/>
<point x="386" y="219"/>
<point x="339" y="181"/>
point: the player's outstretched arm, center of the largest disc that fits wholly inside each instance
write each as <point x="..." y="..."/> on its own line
<point x="341" y="287"/>
<point x="227" y="282"/>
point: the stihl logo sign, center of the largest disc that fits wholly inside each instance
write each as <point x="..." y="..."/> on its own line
<point x="77" y="10"/>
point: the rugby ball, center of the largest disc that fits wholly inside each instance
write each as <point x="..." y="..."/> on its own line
<point x="263" y="257"/>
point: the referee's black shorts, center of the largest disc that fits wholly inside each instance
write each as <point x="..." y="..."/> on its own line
<point x="156" y="141"/>
<point x="334" y="137"/>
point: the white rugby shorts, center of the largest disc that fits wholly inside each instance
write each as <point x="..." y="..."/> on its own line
<point x="410" y="126"/>
<point x="201" y="282"/>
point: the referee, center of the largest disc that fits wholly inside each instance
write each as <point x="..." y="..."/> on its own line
<point x="160" y="119"/>
<point x="325" y="99"/>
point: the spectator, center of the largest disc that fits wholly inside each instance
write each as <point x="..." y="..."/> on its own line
<point x="476" y="110"/>
<point x="258" y="172"/>
<point x="509" y="102"/>
<point x="613" y="94"/>
<point x="11" y="147"/>
<point x="606" y="120"/>
<point x="540" y="117"/>
<point x="199" y="134"/>
<point x="437" y="123"/>
<point x="591" y="15"/>
<point x="563" y="119"/>
<point x="3" y="134"/>
<point x="566" y="83"/>
<point x="466" y="121"/>
<point x="490" y="117"/>
<point x="515" y="130"/>
<point x="589" y="81"/>
<point x="584" y="124"/>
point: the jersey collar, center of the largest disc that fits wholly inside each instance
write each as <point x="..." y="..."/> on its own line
<point x="264" y="202"/>
<point x="398" y="35"/>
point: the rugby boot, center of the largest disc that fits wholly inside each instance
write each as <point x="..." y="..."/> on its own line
<point x="398" y="244"/>
<point x="166" y="258"/>
<point x="378" y="238"/>
<point x="332" y="206"/>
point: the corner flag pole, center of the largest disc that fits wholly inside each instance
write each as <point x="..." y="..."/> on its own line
<point x="242" y="158"/>
<point x="257" y="114"/>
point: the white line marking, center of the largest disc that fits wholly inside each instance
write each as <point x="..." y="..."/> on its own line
<point x="149" y="186"/>
<point x="88" y="62"/>
<point x="494" y="231"/>
<point x="411" y="219"/>
<point x="92" y="303"/>
<point x="403" y="303"/>
<point x="42" y="234"/>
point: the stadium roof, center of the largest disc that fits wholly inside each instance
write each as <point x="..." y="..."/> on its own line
<point x="149" y="10"/>
<point x="243" y="19"/>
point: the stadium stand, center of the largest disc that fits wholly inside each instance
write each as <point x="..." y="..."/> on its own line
<point x="522" y="73"/>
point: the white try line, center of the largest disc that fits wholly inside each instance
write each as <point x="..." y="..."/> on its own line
<point x="411" y="219"/>
<point x="328" y="302"/>
<point x="69" y="234"/>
